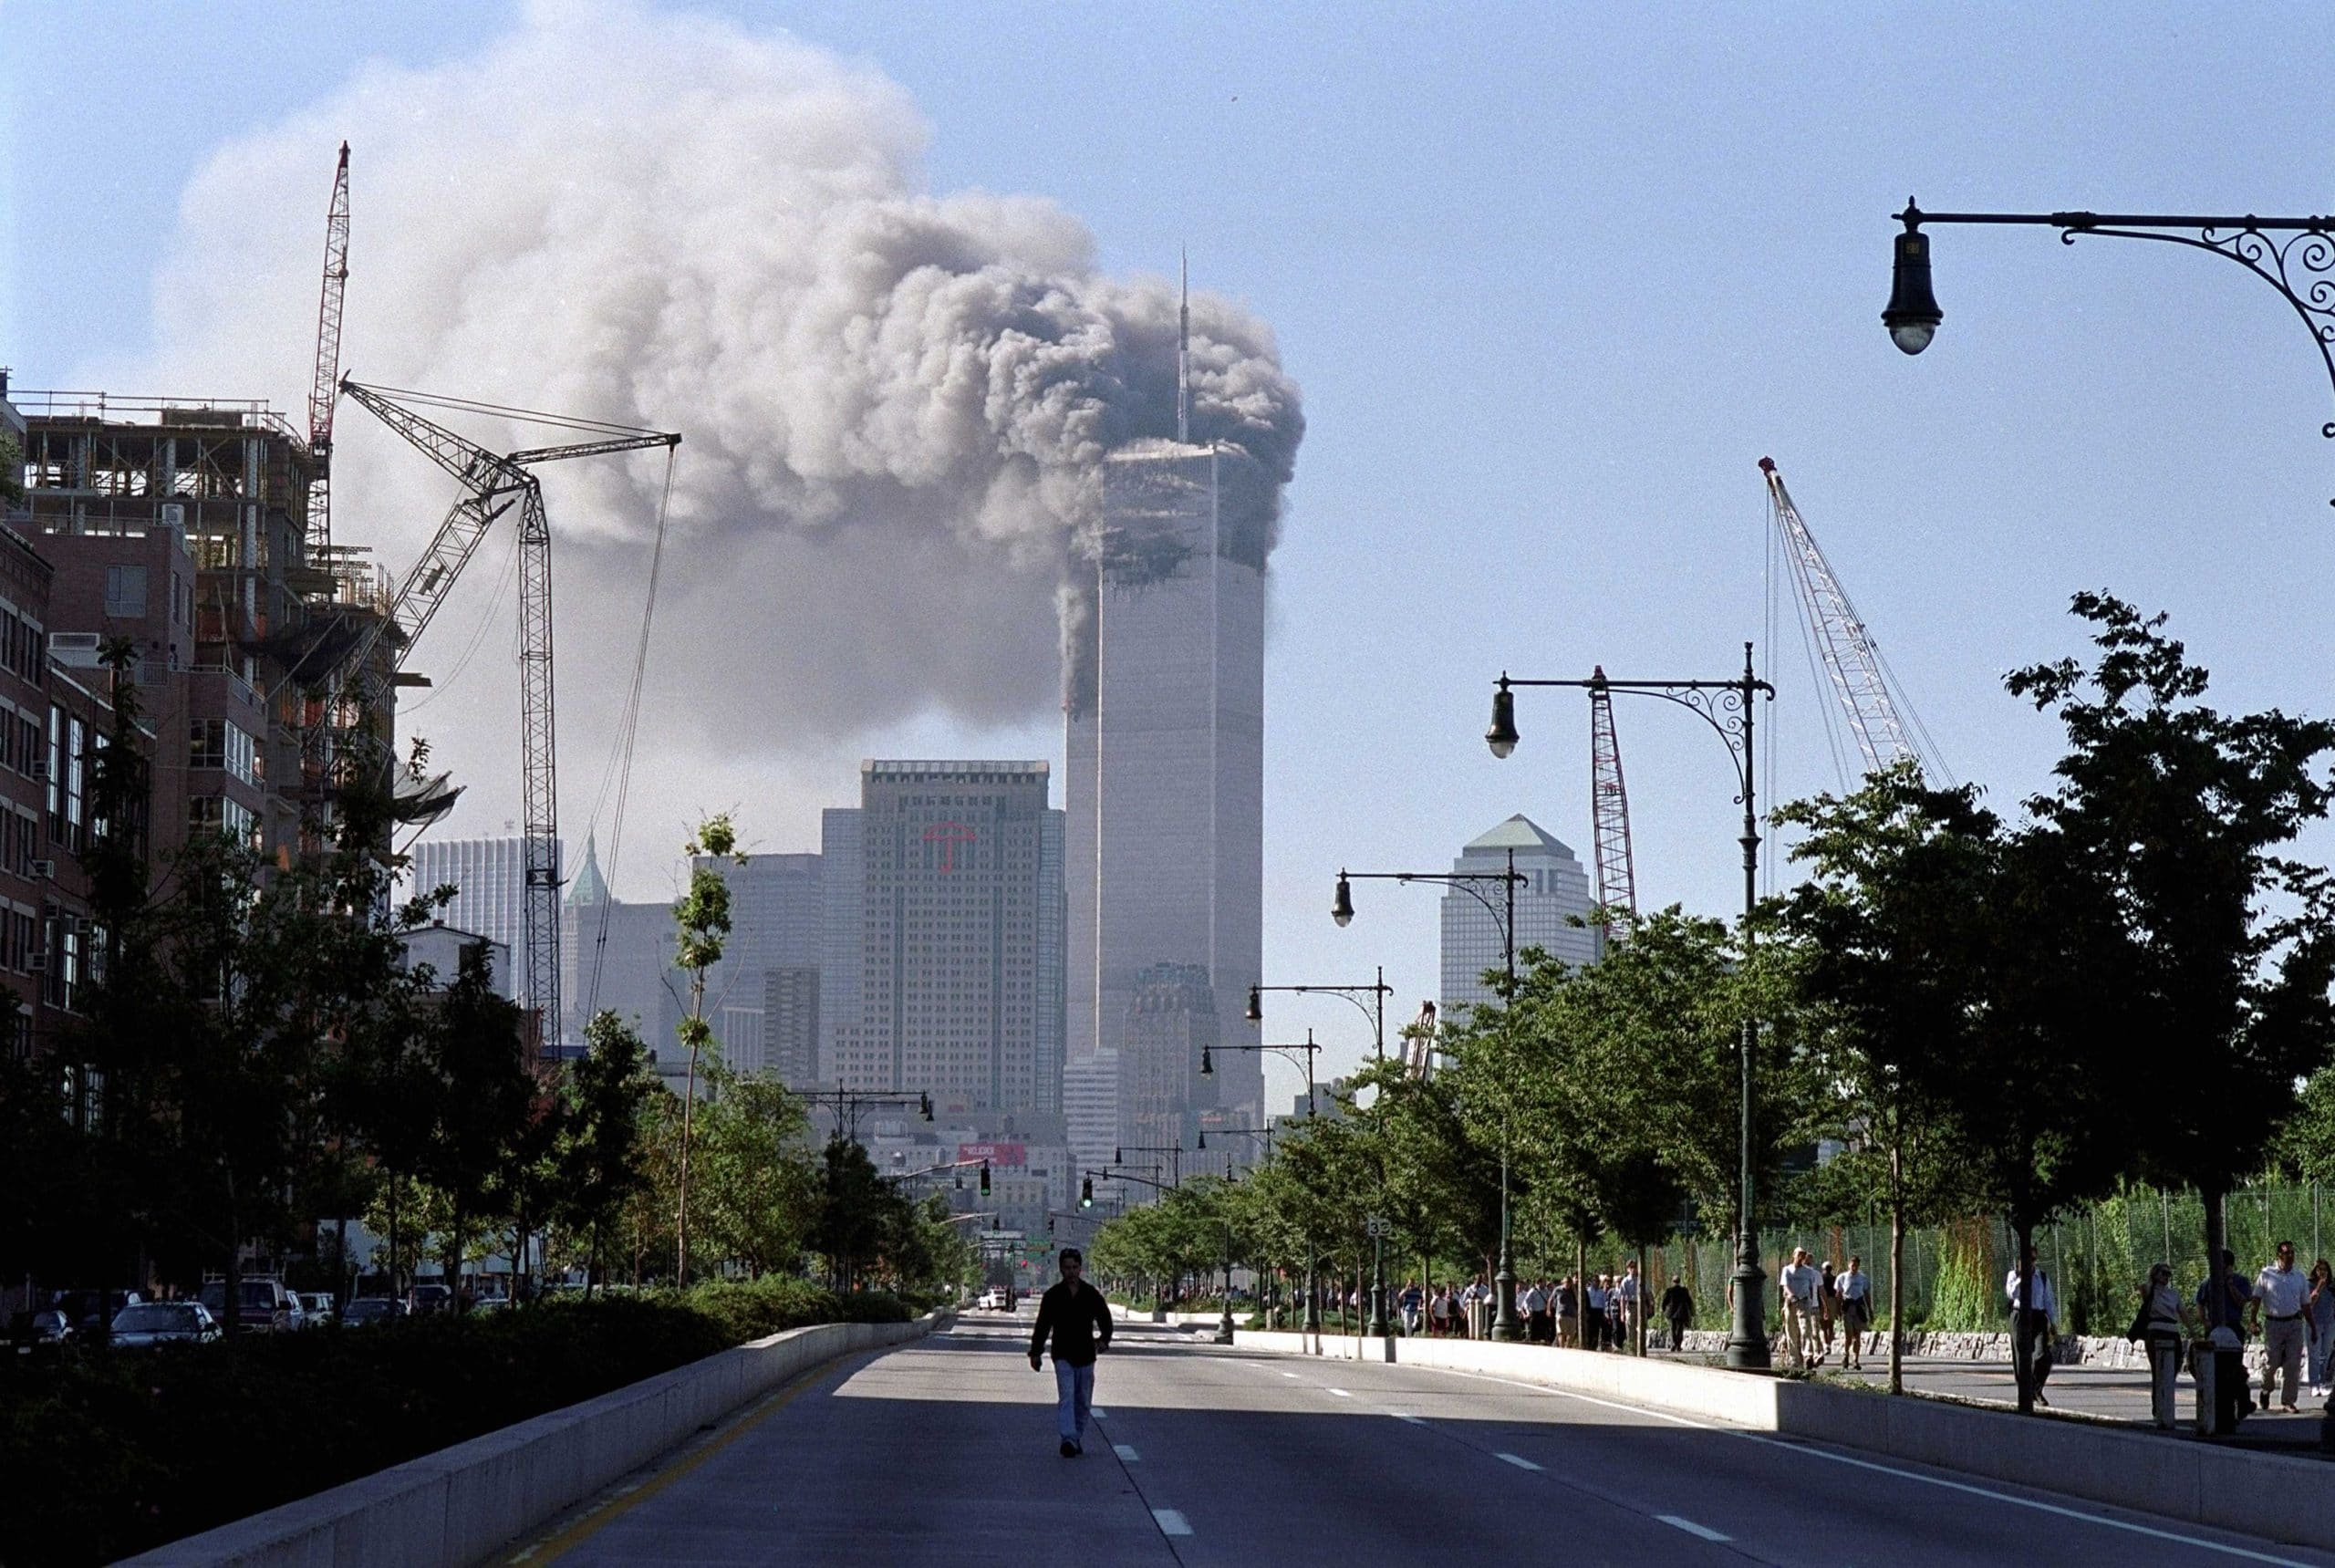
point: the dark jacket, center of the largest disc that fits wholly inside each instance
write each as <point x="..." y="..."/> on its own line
<point x="1678" y="1303"/>
<point x="1078" y="1318"/>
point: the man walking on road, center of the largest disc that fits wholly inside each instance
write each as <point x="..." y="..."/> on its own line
<point x="2277" y="1307"/>
<point x="1079" y="1320"/>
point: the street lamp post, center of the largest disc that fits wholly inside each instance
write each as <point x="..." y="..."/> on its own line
<point x="1504" y="1324"/>
<point x="1375" y="1010"/>
<point x="1727" y="706"/>
<point x="1287" y="1052"/>
<point x="2294" y="255"/>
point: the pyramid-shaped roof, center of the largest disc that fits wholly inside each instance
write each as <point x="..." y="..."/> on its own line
<point x="1519" y="832"/>
<point x="589" y="887"/>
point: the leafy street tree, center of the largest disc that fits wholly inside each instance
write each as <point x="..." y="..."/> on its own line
<point x="485" y="1093"/>
<point x="597" y="1159"/>
<point x="2180" y="813"/>
<point x="850" y="1230"/>
<point x="758" y="1189"/>
<point x="701" y="924"/>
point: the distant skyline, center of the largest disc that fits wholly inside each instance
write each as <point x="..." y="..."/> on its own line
<point x="1552" y="280"/>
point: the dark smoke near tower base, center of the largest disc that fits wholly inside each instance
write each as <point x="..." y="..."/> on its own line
<point x="896" y="405"/>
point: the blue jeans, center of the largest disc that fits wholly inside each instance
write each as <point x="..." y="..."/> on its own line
<point x="1074" y="1393"/>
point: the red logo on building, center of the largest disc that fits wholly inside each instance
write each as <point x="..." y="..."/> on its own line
<point x="949" y="834"/>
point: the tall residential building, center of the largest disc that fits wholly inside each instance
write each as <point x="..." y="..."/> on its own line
<point x="951" y="986"/>
<point x="1555" y="895"/>
<point x="1164" y="704"/>
<point x="489" y="879"/>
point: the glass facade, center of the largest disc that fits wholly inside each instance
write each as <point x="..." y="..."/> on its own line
<point x="1556" y="894"/>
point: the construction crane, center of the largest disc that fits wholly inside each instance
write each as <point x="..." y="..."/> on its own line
<point x="1875" y="710"/>
<point x="495" y="484"/>
<point x="1609" y="809"/>
<point x="323" y="392"/>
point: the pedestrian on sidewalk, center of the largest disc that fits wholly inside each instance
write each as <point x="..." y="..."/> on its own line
<point x="2039" y="1316"/>
<point x="1412" y="1299"/>
<point x="2276" y="1309"/>
<point x="1632" y="1292"/>
<point x="1536" y="1313"/>
<point x="1078" y="1320"/>
<point x="1826" y="1304"/>
<point x="1679" y="1310"/>
<point x="1438" y="1313"/>
<point x="2225" y="1328"/>
<point x="1595" y="1326"/>
<point x="2318" y="1312"/>
<point x="1854" y="1289"/>
<point x="1567" y="1306"/>
<point x="2161" y="1321"/>
<point x="1800" y="1284"/>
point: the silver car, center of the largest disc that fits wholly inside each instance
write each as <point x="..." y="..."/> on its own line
<point x="164" y="1322"/>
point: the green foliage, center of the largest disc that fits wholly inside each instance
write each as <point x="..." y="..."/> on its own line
<point x="12" y="470"/>
<point x="1965" y="1299"/>
<point x="137" y="1448"/>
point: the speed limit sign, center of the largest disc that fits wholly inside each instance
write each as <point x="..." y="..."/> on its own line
<point x="1375" y="1228"/>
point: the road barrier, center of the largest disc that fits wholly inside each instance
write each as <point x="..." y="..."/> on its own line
<point x="2245" y="1490"/>
<point x="458" y="1505"/>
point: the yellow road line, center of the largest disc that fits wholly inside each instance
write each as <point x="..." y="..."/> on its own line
<point x="575" y="1534"/>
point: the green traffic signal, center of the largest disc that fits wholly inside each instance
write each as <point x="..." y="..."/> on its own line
<point x="1086" y="1193"/>
<point x="984" y="1178"/>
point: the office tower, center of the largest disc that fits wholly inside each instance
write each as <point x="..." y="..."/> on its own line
<point x="1163" y="702"/>
<point x="490" y="878"/>
<point x="945" y="981"/>
<point x="1171" y="1018"/>
<point x="1090" y="1108"/>
<point x="1554" y="894"/>
<point x="776" y="907"/>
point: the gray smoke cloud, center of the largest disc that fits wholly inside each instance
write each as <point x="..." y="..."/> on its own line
<point x="894" y="403"/>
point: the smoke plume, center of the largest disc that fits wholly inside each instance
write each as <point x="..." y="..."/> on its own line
<point x="894" y="403"/>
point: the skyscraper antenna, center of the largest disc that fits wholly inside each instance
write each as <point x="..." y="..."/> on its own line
<point x="1184" y="357"/>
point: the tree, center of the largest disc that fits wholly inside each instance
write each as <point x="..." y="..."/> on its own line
<point x="701" y="924"/>
<point x="599" y="1156"/>
<point x="757" y="1187"/>
<point x="2227" y="946"/>
<point x="853" y="1199"/>
<point x="485" y="1094"/>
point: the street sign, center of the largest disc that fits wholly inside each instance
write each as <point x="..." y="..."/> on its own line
<point x="1375" y="1228"/>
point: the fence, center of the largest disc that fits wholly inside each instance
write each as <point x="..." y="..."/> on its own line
<point x="1954" y="1272"/>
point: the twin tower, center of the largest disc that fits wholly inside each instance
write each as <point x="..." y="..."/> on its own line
<point x="1164" y="840"/>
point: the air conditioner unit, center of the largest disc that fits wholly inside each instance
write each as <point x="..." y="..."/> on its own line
<point x="37" y="963"/>
<point x="73" y="642"/>
<point x="37" y="768"/>
<point x="171" y="513"/>
<point x="43" y="871"/>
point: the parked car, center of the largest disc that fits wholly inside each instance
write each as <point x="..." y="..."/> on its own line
<point x="318" y="1306"/>
<point x="368" y="1310"/>
<point x="266" y="1306"/>
<point x="423" y="1300"/>
<point x="89" y="1311"/>
<point x="165" y="1322"/>
<point x="45" y="1332"/>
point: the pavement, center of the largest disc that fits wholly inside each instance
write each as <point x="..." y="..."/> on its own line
<point x="942" y="1453"/>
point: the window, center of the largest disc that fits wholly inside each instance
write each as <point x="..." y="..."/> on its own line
<point x="215" y="814"/>
<point x="125" y="592"/>
<point x="218" y="743"/>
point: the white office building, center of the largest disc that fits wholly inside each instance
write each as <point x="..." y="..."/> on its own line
<point x="1553" y="896"/>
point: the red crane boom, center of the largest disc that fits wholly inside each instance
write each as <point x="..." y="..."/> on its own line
<point x="324" y="391"/>
<point x="1609" y="808"/>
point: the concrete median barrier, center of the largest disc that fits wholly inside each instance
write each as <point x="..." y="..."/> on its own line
<point x="2288" y="1498"/>
<point x="458" y="1505"/>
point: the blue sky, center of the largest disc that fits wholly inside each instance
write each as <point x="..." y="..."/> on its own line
<point x="1552" y="279"/>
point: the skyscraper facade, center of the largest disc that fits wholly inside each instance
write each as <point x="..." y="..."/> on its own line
<point x="1554" y="894"/>
<point x="951" y="988"/>
<point x="490" y="876"/>
<point x="1164" y="706"/>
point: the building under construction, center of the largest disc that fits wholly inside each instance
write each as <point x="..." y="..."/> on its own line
<point x="182" y="529"/>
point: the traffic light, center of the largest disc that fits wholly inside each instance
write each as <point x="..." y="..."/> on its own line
<point x="1086" y="1193"/>
<point x="924" y="1104"/>
<point x="984" y="1178"/>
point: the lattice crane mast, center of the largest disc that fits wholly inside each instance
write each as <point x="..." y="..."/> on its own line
<point x="323" y="392"/>
<point x="1609" y="808"/>
<point x="1843" y="644"/>
<point x="495" y="484"/>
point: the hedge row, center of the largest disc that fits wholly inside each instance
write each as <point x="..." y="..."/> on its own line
<point x="126" y="1449"/>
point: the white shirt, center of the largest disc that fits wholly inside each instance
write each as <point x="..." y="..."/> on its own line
<point x="2281" y="1291"/>
<point x="1853" y="1286"/>
<point x="1596" y="1298"/>
<point x="2045" y="1302"/>
<point x="1534" y="1301"/>
<point x="1801" y="1281"/>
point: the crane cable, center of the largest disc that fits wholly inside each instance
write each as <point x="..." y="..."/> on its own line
<point x="628" y="734"/>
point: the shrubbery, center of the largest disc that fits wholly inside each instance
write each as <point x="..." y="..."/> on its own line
<point x="107" y="1454"/>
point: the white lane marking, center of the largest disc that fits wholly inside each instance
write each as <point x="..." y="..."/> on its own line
<point x="1814" y="1452"/>
<point x="1690" y="1527"/>
<point x="1340" y="1393"/>
<point x="1519" y="1460"/>
<point x="1097" y="1415"/>
<point x="1127" y="1454"/>
<point x="1399" y="1415"/>
<point x="1288" y="1375"/>
<point x="1171" y="1523"/>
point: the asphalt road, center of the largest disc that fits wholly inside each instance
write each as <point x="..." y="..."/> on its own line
<point x="942" y="1453"/>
